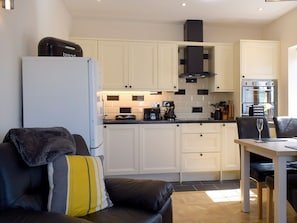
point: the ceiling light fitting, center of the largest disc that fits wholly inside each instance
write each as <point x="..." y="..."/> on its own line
<point x="8" y="4"/>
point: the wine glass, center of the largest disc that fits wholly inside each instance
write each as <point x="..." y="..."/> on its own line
<point x="260" y="128"/>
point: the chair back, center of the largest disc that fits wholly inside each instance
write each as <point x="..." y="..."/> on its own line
<point x="285" y="127"/>
<point x="247" y="129"/>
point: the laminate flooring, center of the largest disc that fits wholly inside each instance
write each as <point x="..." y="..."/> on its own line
<point x="216" y="202"/>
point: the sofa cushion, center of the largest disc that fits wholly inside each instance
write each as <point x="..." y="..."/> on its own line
<point x="19" y="215"/>
<point x="124" y="214"/>
<point x="76" y="185"/>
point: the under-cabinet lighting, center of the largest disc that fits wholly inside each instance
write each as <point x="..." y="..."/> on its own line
<point x="8" y="4"/>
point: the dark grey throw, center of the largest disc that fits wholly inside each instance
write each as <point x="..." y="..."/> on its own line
<point x="39" y="146"/>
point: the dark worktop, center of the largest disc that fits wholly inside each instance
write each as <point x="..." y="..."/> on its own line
<point x="179" y="121"/>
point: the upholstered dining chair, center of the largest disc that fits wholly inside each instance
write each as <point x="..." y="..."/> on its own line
<point x="285" y="127"/>
<point x="260" y="166"/>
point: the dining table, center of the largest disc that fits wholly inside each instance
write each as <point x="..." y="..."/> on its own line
<point x="280" y="150"/>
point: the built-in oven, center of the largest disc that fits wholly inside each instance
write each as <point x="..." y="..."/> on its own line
<point x="259" y="93"/>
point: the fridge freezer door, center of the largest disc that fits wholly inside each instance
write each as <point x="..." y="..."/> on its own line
<point x="57" y="92"/>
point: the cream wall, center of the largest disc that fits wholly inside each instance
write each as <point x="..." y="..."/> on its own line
<point x="284" y="30"/>
<point x="20" y="31"/>
<point x="82" y="27"/>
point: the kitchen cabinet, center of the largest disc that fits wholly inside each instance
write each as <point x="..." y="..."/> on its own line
<point x="142" y="60"/>
<point x="230" y="150"/>
<point x="159" y="148"/>
<point x="221" y="68"/>
<point x="259" y="59"/>
<point x="89" y="47"/>
<point x="121" y="149"/>
<point x="200" y="147"/>
<point x="128" y="65"/>
<point x="167" y="67"/>
<point x="141" y="149"/>
<point x="113" y="60"/>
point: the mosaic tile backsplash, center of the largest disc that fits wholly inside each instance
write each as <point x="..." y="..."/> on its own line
<point x="192" y="101"/>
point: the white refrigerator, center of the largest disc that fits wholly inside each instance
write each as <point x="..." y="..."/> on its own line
<point x="64" y="91"/>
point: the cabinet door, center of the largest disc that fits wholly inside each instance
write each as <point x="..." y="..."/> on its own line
<point x="121" y="149"/>
<point x="113" y="59"/>
<point x="88" y="46"/>
<point x="159" y="148"/>
<point x="143" y="66"/>
<point x="230" y="150"/>
<point x="200" y="162"/>
<point x="201" y="142"/>
<point x="167" y="67"/>
<point x="259" y="59"/>
<point x="221" y="60"/>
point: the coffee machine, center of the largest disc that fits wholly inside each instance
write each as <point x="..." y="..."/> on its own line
<point x="169" y="111"/>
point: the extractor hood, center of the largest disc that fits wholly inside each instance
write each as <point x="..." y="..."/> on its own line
<point x="193" y="55"/>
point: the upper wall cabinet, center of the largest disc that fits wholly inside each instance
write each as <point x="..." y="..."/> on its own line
<point x="167" y="67"/>
<point x="128" y="65"/>
<point x="221" y="68"/>
<point x="89" y="47"/>
<point x="259" y="59"/>
<point x="112" y="57"/>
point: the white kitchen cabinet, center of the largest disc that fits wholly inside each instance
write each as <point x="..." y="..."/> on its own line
<point x="89" y="47"/>
<point x="121" y="149"/>
<point x="230" y="150"/>
<point x="167" y="67"/>
<point x="113" y="59"/>
<point x="200" y="146"/>
<point x="259" y="59"/>
<point x="141" y="149"/>
<point x="221" y="68"/>
<point x="143" y="60"/>
<point x="159" y="148"/>
<point x="128" y="65"/>
<point x="200" y="162"/>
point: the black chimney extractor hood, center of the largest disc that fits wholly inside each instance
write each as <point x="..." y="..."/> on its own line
<point x="193" y="55"/>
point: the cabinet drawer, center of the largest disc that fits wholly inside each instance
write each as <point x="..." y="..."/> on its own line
<point x="203" y="142"/>
<point x="200" y="162"/>
<point x="201" y="127"/>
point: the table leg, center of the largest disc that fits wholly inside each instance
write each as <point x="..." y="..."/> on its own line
<point x="280" y="189"/>
<point x="245" y="179"/>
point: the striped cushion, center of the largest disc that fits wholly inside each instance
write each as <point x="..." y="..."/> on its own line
<point x="77" y="185"/>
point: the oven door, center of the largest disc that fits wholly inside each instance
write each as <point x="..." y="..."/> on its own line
<point x="259" y="95"/>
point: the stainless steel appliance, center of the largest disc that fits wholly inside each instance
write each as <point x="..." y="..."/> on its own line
<point x="169" y="111"/>
<point x="257" y="94"/>
<point x="152" y="114"/>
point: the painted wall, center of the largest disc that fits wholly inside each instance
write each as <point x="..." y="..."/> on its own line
<point x="20" y="31"/>
<point x="82" y="27"/>
<point x="283" y="30"/>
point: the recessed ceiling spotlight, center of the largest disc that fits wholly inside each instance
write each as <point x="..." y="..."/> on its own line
<point x="260" y="9"/>
<point x="183" y="4"/>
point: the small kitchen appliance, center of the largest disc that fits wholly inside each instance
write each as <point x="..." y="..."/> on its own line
<point x="169" y="111"/>
<point x="152" y="114"/>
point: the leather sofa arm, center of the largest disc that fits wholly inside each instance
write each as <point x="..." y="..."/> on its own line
<point x="146" y="194"/>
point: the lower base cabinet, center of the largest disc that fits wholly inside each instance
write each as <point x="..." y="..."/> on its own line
<point x="121" y="150"/>
<point x="170" y="148"/>
<point x="141" y="149"/>
<point x="200" y="162"/>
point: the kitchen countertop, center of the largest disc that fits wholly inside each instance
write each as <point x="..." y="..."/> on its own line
<point x="113" y="121"/>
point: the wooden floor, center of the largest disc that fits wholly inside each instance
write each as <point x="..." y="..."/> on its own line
<point x="217" y="206"/>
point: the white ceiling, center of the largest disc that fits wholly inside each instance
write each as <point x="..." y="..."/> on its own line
<point x="210" y="11"/>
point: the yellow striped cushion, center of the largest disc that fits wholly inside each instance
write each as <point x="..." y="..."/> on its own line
<point x="77" y="185"/>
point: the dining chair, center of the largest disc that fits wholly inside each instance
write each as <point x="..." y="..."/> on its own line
<point x="260" y="166"/>
<point x="285" y="127"/>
